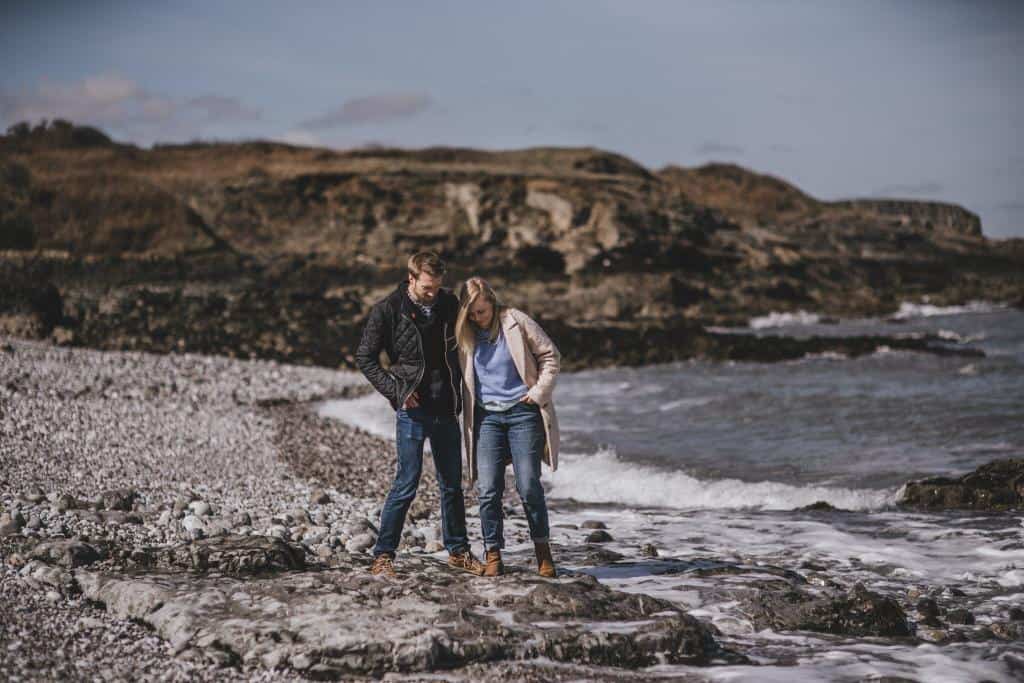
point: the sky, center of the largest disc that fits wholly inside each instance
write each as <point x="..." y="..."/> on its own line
<point x="916" y="99"/>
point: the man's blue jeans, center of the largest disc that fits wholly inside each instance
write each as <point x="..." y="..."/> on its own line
<point x="517" y="433"/>
<point x="413" y="427"/>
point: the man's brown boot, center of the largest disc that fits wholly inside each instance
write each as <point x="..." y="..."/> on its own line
<point x="545" y="564"/>
<point x="383" y="565"/>
<point x="493" y="566"/>
<point x="466" y="562"/>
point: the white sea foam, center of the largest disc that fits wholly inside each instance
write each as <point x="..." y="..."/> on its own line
<point x="371" y="413"/>
<point x="911" y="310"/>
<point x="774" y="319"/>
<point x="604" y="478"/>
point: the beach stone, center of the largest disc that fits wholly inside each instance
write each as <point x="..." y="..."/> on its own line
<point x="193" y="526"/>
<point x="297" y="516"/>
<point x="1016" y="613"/>
<point x="242" y="519"/>
<point x="601" y="556"/>
<point x="65" y="502"/>
<point x="165" y="518"/>
<point x="200" y="508"/>
<point x="118" y="499"/>
<point x="433" y="546"/>
<point x="35" y="495"/>
<point x="69" y="553"/>
<point x="1008" y="630"/>
<point x="599" y="536"/>
<point x="648" y="550"/>
<point x="593" y="524"/>
<point x="278" y="531"/>
<point x="109" y="516"/>
<point x="319" y="497"/>
<point x="360" y="543"/>
<point x="9" y="525"/>
<point x="34" y="522"/>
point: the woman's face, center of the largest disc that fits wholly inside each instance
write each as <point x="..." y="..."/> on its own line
<point x="480" y="312"/>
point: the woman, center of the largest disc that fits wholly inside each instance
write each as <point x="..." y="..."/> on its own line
<point x="509" y="368"/>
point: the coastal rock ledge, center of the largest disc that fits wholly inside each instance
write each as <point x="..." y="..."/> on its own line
<point x="997" y="486"/>
<point x="334" y="620"/>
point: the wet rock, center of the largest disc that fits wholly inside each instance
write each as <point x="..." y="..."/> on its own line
<point x="593" y="524"/>
<point x="583" y="599"/>
<point x="1008" y="630"/>
<point x="858" y="613"/>
<point x="319" y="497"/>
<point x="237" y="555"/>
<point x="68" y="553"/>
<point x="999" y="485"/>
<point x="601" y="556"/>
<point x="1016" y="614"/>
<point x="344" y="623"/>
<point x="599" y="536"/>
<point x="929" y="611"/>
<point x="960" y="616"/>
<point x="648" y="550"/>
<point x="118" y="499"/>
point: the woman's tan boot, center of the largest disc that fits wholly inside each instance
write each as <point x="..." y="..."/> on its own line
<point x="545" y="565"/>
<point x="493" y="566"/>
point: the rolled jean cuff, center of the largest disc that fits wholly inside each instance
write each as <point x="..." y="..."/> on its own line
<point x="545" y="539"/>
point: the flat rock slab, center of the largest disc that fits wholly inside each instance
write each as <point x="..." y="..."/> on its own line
<point x="342" y="621"/>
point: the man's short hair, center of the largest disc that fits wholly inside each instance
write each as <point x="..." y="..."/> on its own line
<point x="428" y="262"/>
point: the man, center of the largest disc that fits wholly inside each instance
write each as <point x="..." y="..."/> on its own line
<point x="415" y="326"/>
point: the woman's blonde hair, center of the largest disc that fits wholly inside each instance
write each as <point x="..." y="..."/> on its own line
<point x="465" y="330"/>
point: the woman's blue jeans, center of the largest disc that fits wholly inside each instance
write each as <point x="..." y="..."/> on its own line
<point x="517" y="433"/>
<point x="412" y="428"/>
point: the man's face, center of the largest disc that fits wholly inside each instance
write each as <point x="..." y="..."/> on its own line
<point x="425" y="287"/>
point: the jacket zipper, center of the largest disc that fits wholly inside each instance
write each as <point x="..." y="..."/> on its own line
<point x="423" y="366"/>
<point x="451" y="375"/>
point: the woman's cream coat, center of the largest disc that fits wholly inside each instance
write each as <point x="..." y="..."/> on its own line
<point x="537" y="359"/>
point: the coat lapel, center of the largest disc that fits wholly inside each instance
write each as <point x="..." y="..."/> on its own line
<point x="514" y="340"/>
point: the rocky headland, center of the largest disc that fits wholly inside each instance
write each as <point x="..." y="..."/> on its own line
<point x="264" y="250"/>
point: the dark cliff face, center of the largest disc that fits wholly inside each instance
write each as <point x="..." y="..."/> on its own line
<point x="574" y="234"/>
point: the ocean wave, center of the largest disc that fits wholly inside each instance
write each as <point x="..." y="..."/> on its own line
<point x="604" y="478"/>
<point x="774" y="319"/>
<point x="912" y="310"/>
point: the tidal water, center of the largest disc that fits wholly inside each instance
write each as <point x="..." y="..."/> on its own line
<point x="711" y="460"/>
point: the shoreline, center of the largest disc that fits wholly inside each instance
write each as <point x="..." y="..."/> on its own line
<point x="186" y="473"/>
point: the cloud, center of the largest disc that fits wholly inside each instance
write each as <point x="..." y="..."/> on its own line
<point x="372" y="109"/>
<point x="301" y="138"/>
<point x="926" y="188"/>
<point x="711" y="148"/>
<point x="112" y="101"/>
<point x="220" y="108"/>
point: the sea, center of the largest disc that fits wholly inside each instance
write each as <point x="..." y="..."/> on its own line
<point x="711" y="461"/>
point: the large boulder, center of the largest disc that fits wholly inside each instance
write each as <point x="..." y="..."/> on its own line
<point x="999" y="485"/>
<point x="859" y="612"/>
